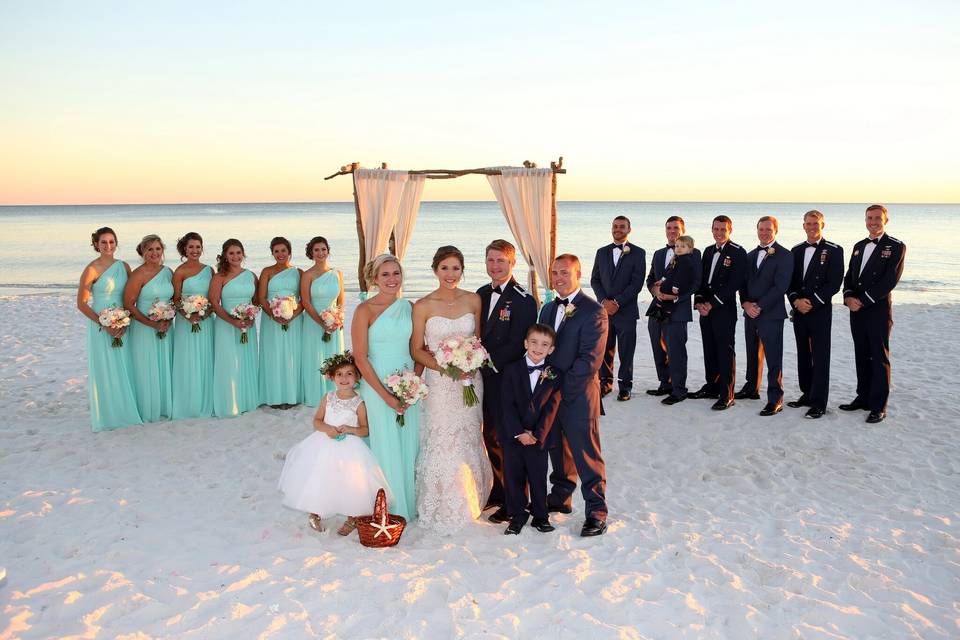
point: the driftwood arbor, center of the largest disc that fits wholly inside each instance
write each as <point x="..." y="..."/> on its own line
<point x="446" y="174"/>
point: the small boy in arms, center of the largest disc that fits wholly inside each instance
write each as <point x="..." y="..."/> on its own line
<point x="677" y="281"/>
<point x="531" y="399"/>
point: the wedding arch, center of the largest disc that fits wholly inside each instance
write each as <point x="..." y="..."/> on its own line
<point x="387" y="203"/>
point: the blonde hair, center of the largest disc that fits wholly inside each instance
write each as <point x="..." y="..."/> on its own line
<point x="373" y="267"/>
<point x="147" y="241"/>
<point x="687" y="240"/>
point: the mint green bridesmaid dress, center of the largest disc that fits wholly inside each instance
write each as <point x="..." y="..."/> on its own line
<point x="395" y="447"/>
<point x="152" y="357"/>
<point x="280" y="356"/>
<point x="193" y="356"/>
<point x="236" y="387"/>
<point x="324" y="291"/>
<point x="109" y="382"/>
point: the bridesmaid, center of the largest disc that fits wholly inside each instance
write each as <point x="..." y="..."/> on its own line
<point x="236" y="388"/>
<point x="380" y="334"/>
<point x="192" y="350"/>
<point x="280" y="340"/>
<point x="109" y="385"/>
<point x="152" y="356"/>
<point x="320" y="287"/>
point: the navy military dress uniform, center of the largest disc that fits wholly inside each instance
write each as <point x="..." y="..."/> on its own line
<point x="720" y="281"/>
<point x="769" y="270"/>
<point x="872" y="282"/>
<point x="817" y="277"/>
<point x="503" y="327"/>
<point x="618" y="274"/>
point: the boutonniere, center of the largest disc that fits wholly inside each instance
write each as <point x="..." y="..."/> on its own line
<point x="771" y="251"/>
<point x="548" y="374"/>
<point x="673" y="262"/>
<point x="626" y="249"/>
<point x="504" y="314"/>
<point x="857" y="252"/>
<point x="569" y="310"/>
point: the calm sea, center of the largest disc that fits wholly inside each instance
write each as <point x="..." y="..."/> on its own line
<point x="44" y="248"/>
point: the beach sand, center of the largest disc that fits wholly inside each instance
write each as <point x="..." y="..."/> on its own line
<point x="722" y="525"/>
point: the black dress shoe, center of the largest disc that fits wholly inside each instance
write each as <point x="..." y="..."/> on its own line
<point x="814" y="412"/>
<point x="492" y="504"/>
<point x="623" y="396"/>
<point x="559" y="508"/>
<point x="593" y="527"/>
<point x="856" y="405"/>
<point x="499" y="516"/>
<point x="772" y="409"/>
<point x="747" y="394"/>
<point x="703" y="394"/>
<point x="671" y="399"/>
<point x="542" y="525"/>
<point x="876" y="416"/>
<point x="658" y="392"/>
<point x="720" y="405"/>
<point x="514" y="528"/>
<point x="802" y="401"/>
<point x="605" y="391"/>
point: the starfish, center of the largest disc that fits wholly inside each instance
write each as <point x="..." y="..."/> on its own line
<point x="383" y="527"/>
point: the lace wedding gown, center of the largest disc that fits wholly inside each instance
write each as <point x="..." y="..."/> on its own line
<point x="453" y="471"/>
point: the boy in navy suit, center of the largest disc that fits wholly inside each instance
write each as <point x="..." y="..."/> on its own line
<point x="531" y="399"/>
<point x="677" y="281"/>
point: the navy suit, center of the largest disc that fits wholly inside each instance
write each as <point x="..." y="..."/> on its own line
<point x="534" y="411"/>
<point x="873" y="286"/>
<point x="766" y="285"/>
<point x="669" y="339"/>
<point x="577" y="357"/>
<point x="502" y="335"/>
<point x="819" y="284"/>
<point x="621" y="283"/>
<point x="719" y="327"/>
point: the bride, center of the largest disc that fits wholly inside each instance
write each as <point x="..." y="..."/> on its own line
<point x="453" y="471"/>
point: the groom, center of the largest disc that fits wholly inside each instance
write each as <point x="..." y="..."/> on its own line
<point x="581" y="326"/>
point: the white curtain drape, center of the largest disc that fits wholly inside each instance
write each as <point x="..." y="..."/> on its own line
<point x="524" y="197"/>
<point x="409" y="207"/>
<point x="379" y="192"/>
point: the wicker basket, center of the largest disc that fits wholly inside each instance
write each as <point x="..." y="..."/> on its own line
<point x="382" y="529"/>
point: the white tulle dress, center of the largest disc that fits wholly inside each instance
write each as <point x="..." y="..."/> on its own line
<point x="331" y="477"/>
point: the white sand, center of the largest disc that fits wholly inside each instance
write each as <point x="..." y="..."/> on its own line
<point x="721" y="526"/>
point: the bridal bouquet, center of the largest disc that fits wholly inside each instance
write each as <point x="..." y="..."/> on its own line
<point x="159" y="311"/>
<point x="283" y="307"/>
<point x="458" y="355"/>
<point x="245" y="311"/>
<point x="195" y="305"/>
<point x="115" y="318"/>
<point x="408" y="387"/>
<point x="332" y="319"/>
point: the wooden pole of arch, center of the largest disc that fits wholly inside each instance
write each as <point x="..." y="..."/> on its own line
<point x="356" y="206"/>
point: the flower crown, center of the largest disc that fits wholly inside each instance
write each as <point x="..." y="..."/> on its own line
<point x="337" y="360"/>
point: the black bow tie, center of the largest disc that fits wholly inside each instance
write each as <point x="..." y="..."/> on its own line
<point x="670" y="246"/>
<point x="813" y="245"/>
<point x="719" y="247"/>
<point x="874" y="240"/>
<point x="761" y="248"/>
<point x="563" y="301"/>
<point x="536" y="367"/>
<point x="497" y="289"/>
<point x="618" y="246"/>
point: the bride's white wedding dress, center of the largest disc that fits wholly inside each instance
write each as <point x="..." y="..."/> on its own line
<point x="453" y="471"/>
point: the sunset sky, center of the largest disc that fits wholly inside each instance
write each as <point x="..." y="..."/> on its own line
<point x="119" y="102"/>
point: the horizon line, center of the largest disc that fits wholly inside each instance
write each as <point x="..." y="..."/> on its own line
<point x="349" y="202"/>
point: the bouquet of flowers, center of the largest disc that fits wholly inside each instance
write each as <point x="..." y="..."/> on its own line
<point x="283" y="307"/>
<point x="458" y="355"/>
<point x="161" y="310"/>
<point x="195" y="305"/>
<point x="245" y="311"/>
<point x="408" y="387"/>
<point x="332" y="319"/>
<point x="115" y="318"/>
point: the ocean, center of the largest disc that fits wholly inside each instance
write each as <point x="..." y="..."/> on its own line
<point x="44" y="248"/>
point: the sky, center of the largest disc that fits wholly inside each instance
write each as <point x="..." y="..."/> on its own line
<point x="135" y="102"/>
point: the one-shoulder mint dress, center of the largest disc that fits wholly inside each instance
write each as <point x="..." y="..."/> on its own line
<point x="152" y="357"/>
<point x="110" y="370"/>
<point x="236" y="386"/>
<point x="280" y="350"/>
<point x="395" y="447"/>
<point x="324" y="291"/>
<point x="193" y="356"/>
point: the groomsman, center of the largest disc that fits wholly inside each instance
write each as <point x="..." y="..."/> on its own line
<point x="669" y="339"/>
<point x="581" y="326"/>
<point x="724" y="266"/>
<point x="817" y="276"/>
<point x="769" y="268"/>
<point x="875" y="268"/>
<point x="617" y="279"/>
<point x="506" y="312"/>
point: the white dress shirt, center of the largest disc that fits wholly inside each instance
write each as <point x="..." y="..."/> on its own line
<point x="713" y="263"/>
<point x="807" y="257"/>
<point x="867" y="252"/>
<point x="617" y="252"/>
<point x="535" y="374"/>
<point x="669" y="257"/>
<point x="762" y="254"/>
<point x="557" y="319"/>
<point x="495" y="297"/>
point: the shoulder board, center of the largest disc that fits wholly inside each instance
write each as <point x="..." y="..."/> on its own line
<point x="831" y="244"/>
<point x="734" y="244"/>
<point x="520" y="290"/>
<point x="894" y="239"/>
<point x="799" y="244"/>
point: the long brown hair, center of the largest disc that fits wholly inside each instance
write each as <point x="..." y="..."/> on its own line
<point x="222" y="264"/>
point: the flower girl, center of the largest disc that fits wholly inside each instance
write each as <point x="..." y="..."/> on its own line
<point x="332" y="471"/>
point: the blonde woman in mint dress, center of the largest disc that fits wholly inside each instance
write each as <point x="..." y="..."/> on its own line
<point x="109" y="382"/>
<point x="152" y="354"/>
<point x="192" y="350"/>
<point x="320" y="287"/>
<point x="380" y="334"/>
<point x="236" y="382"/>
<point x="281" y="340"/>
